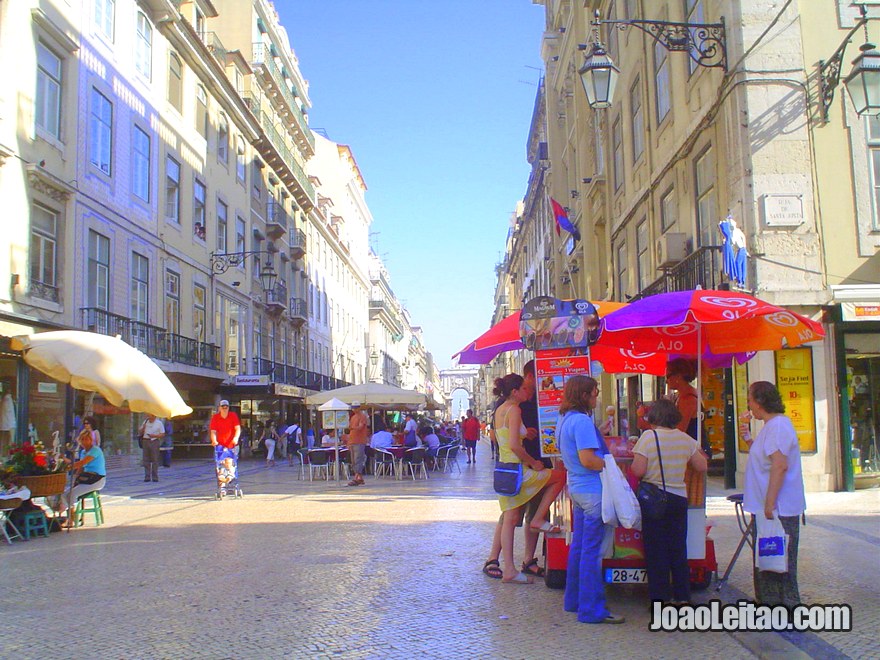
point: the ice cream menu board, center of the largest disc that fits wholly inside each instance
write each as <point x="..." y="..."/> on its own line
<point x="559" y="331"/>
<point x="552" y="370"/>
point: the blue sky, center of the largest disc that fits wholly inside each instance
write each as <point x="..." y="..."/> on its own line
<point x="435" y="99"/>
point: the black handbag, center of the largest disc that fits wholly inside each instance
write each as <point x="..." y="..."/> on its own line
<point x="88" y="478"/>
<point x="653" y="499"/>
<point x="508" y="478"/>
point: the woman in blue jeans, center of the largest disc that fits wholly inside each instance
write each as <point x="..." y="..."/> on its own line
<point x="582" y="448"/>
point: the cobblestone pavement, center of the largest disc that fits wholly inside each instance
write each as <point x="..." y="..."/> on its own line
<point x="390" y="570"/>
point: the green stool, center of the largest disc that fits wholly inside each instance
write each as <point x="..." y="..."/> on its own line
<point x="95" y="508"/>
<point x="35" y="524"/>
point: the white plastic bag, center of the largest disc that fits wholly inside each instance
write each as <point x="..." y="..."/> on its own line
<point x="771" y="550"/>
<point x="609" y="517"/>
<point x="626" y="506"/>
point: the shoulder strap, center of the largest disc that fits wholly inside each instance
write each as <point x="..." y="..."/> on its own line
<point x="659" y="458"/>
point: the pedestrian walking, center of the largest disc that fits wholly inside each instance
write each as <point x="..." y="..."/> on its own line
<point x="152" y="431"/>
<point x="470" y="431"/>
<point x="357" y="439"/>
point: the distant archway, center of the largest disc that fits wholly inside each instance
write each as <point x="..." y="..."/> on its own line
<point x="460" y="403"/>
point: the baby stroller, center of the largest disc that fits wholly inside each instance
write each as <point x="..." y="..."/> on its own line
<point x="226" y="465"/>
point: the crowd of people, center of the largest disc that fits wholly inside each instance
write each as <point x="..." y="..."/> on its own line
<point x="666" y="455"/>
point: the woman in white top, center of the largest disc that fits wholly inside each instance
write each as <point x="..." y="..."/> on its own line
<point x="270" y="436"/>
<point x="774" y="486"/>
<point x="666" y="537"/>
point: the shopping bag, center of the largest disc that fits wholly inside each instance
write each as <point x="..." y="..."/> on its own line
<point x="626" y="506"/>
<point x="771" y="550"/>
<point x="652" y="500"/>
<point x="609" y="517"/>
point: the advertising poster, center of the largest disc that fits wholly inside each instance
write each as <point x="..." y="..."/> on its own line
<point x="551" y="374"/>
<point x="794" y="379"/>
<point x="713" y="408"/>
<point x="328" y="419"/>
<point x="740" y="401"/>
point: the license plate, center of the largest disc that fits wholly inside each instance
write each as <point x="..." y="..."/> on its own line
<point x="626" y="575"/>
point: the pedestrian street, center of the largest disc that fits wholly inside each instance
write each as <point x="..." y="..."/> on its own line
<point x="301" y="569"/>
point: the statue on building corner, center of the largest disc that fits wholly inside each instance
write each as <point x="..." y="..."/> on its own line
<point x="733" y="251"/>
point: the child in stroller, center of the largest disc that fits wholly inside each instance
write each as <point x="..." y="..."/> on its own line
<point x="226" y="464"/>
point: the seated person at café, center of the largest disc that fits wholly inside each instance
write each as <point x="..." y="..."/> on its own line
<point x="382" y="439"/>
<point x="90" y="470"/>
<point x="329" y="438"/>
<point x="430" y="439"/>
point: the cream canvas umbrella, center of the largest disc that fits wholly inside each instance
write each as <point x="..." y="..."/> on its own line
<point x="106" y="365"/>
<point x="375" y="395"/>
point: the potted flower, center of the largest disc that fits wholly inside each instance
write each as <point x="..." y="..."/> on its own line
<point x="29" y="466"/>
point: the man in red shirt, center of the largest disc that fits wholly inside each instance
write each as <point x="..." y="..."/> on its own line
<point x="225" y="427"/>
<point x="470" y="431"/>
<point x="358" y="437"/>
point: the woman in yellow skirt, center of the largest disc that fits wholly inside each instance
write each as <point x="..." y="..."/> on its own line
<point x="510" y="431"/>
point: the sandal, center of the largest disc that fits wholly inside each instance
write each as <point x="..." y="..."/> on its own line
<point x="531" y="568"/>
<point x="352" y="483"/>
<point x="519" y="578"/>
<point x="493" y="569"/>
<point x="547" y="528"/>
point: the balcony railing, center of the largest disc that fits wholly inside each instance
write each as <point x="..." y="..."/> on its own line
<point x="298" y="311"/>
<point x="276" y="219"/>
<point x="263" y="56"/>
<point x="279" y="372"/>
<point x="156" y="342"/>
<point x="297" y="241"/>
<point x="277" y="298"/>
<point x="700" y="268"/>
<point x="218" y="50"/>
<point x="278" y="142"/>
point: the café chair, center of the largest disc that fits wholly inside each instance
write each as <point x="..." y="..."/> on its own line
<point x="415" y="460"/>
<point x="384" y="463"/>
<point x="319" y="461"/>
<point x="447" y="459"/>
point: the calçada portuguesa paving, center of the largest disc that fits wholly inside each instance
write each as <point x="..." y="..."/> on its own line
<point x="305" y="569"/>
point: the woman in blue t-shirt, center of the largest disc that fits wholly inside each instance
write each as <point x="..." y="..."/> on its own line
<point x="582" y="449"/>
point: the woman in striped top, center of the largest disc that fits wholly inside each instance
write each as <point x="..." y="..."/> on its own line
<point x="666" y="537"/>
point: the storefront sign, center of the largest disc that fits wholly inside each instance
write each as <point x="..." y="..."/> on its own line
<point x="254" y="380"/>
<point x="860" y="311"/>
<point x="783" y="210"/>
<point x="794" y="378"/>
<point x="282" y="389"/>
<point x="47" y="388"/>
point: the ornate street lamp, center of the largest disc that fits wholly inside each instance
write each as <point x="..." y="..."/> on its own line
<point x="863" y="82"/>
<point x="221" y="261"/>
<point x="705" y="43"/>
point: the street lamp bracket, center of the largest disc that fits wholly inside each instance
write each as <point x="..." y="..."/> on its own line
<point x="221" y="261"/>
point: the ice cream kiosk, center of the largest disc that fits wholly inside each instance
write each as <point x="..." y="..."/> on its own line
<point x="562" y="334"/>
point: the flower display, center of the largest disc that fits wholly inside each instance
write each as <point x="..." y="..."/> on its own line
<point x="29" y="460"/>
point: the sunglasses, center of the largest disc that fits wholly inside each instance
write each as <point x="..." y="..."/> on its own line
<point x="224" y="406"/>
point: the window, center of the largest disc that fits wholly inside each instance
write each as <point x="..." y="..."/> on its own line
<point x="143" y="48"/>
<point x="617" y="147"/>
<point x="638" y="122"/>
<point x="101" y="132"/>
<point x="202" y="111"/>
<point x="222" y="214"/>
<point x="622" y="285"/>
<point x="98" y="292"/>
<point x="140" y="171"/>
<point x="240" y="232"/>
<point x="240" y="162"/>
<point x="199" y="315"/>
<point x="668" y="210"/>
<point x="43" y="253"/>
<point x="257" y="178"/>
<point x="175" y="81"/>
<point x="661" y="81"/>
<point x="103" y="16"/>
<point x="695" y="14"/>
<point x="199" y="213"/>
<point x="48" y="93"/>
<point x="140" y="287"/>
<point x="223" y="139"/>
<point x="172" y="302"/>
<point x="644" y="254"/>
<point x="172" y="190"/>
<point x="873" y="133"/>
<point x="704" y="187"/>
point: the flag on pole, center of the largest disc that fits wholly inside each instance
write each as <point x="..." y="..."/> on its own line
<point x="562" y="221"/>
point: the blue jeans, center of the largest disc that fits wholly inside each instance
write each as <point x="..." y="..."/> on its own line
<point x="584" y="586"/>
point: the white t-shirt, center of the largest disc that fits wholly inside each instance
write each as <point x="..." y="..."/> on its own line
<point x="155" y="428"/>
<point x="410" y="426"/>
<point x="779" y="435"/>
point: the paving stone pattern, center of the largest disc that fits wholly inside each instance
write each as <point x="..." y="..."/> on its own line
<point x="300" y="569"/>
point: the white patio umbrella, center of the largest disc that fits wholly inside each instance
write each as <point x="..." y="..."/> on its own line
<point x="334" y="405"/>
<point x="106" y="365"/>
<point x="376" y="395"/>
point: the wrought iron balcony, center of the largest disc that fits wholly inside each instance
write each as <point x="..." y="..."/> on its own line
<point x="298" y="311"/>
<point x="218" y="50"/>
<point x="700" y="268"/>
<point x="297" y="241"/>
<point x="276" y="298"/>
<point x="279" y="372"/>
<point x="276" y="219"/>
<point x="263" y="58"/>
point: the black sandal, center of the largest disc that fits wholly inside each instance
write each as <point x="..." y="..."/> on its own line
<point x="493" y="569"/>
<point x="531" y="568"/>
